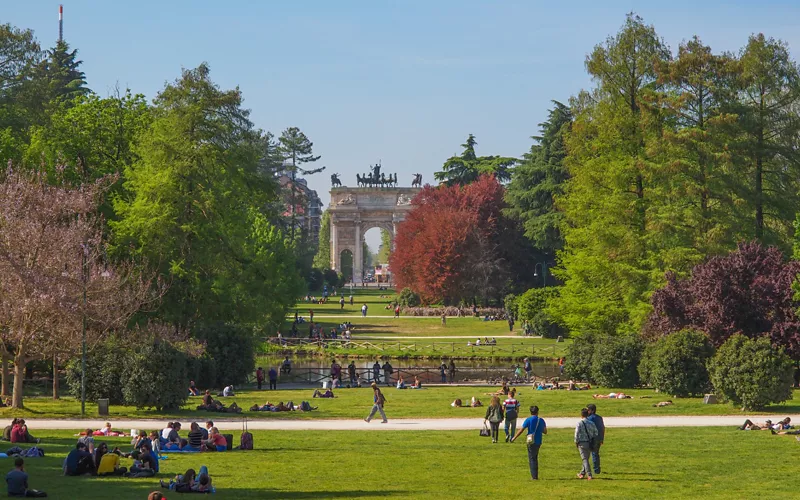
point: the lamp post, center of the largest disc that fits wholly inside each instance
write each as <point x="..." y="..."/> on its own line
<point x="543" y="265"/>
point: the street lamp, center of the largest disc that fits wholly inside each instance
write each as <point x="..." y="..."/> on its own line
<point x="543" y="265"/>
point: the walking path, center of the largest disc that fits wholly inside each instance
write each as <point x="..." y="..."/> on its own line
<point x="443" y="424"/>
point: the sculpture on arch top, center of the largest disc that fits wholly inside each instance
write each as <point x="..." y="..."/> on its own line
<point x="417" y="182"/>
<point x="335" y="182"/>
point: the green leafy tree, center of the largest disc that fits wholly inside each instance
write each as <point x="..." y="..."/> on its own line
<point x="468" y="167"/>
<point x="615" y="361"/>
<point x="539" y="180"/>
<point x="19" y="52"/>
<point x="385" y="248"/>
<point x="751" y="373"/>
<point x="676" y="364"/>
<point x="156" y="374"/>
<point x="322" y="260"/>
<point x="194" y="208"/>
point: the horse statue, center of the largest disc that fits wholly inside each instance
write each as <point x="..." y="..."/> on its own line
<point x="359" y="180"/>
<point x="335" y="182"/>
<point x="417" y="182"/>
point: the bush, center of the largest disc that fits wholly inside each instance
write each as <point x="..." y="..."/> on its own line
<point x="104" y="373"/>
<point x="231" y="349"/>
<point x="315" y="280"/>
<point x="331" y="278"/>
<point x="453" y="311"/>
<point x="510" y="303"/>
<point x="155" y="376"/>
<point x="578" y="362"/>
<point x="615" y="361"/>
<point x="408" y="298"/>
<point x="676" y="364"/>
<point x="531" y="307"/>
<point x="751" y="373"/>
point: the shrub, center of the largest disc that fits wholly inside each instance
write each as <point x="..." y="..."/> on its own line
<point x="453" y="311"/>
<point x="331" y="277"/>
<point x="751" y="373"/>
<point x="510" y="303"/>
<point x="408" y="298"/>
<point x="104" y="373"/>
<point x="676" y="364"/>
<point x="231" y="349"/>
<point x="578" y="362"/>
<point x="315" y="280"/>
<point x="155" y="376"/>
<point x="615" y="361"/>
<point x="531" y="307"/>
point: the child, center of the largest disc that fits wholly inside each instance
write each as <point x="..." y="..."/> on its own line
<point x="17" y="481"/>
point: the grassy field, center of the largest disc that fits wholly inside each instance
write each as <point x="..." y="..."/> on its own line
<point x="433" y="402"/>
<point x="637" y="463"/>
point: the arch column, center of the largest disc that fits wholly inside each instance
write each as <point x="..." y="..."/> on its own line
<point x="336" y="263"/>
<point x="358" y="258"/>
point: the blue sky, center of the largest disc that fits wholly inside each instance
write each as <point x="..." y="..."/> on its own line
<point x="403" y="82"/>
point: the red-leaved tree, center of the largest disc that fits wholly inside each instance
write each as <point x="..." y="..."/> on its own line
<point x="455" y="244"/>
<point x="748" y="291"/>
<point x="51" y="257"/>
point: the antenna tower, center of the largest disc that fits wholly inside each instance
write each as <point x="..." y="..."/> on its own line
<point x="61" y="23"/>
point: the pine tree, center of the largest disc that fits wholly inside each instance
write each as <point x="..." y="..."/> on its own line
<point x="468" y="167"/>
<point x="297" y="150"/>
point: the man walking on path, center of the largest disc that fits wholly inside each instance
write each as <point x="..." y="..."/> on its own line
<point x="585" y="437"/>
<point x="377" y="404"/>
<point x="511" y="405"/>
<point x="452" y="371"/>
<point x="597" y="420"/>
<point x="536" y="427"/>
<point x="273" y="379"/>
<point x="259" y="377"/>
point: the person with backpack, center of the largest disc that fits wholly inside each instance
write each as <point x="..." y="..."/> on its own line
<point x="273" y="379"/>
<point x="597" y="420"/>
<point x="511" y="406"/>
<point x="585" y="438"/>
<point x="536" y="427"/>
<point x="259" y="377"/>
<point x="494" y="414"/>
<point x="387" y="373"/>
<point x="378" y="400"/>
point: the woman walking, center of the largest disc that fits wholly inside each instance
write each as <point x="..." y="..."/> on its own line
<point x="494" y="414"/>
<point x="585" y="437"/>
<point x="377" y="404"/>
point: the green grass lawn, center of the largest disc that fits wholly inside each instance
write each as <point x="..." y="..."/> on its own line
<point x="433" y="402"/>
<point x="372" y="297"/>
<point x="637" y="463"/>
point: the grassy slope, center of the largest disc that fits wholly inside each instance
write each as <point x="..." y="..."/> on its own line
<point x="433" y="402"/>
<point x="637" y="463"/>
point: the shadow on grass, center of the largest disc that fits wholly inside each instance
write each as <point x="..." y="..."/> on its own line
<point x="277" y="493"/>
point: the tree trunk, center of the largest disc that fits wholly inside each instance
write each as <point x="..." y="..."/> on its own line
<point x="55" y="376"/>
<point x="4" y="374"/>
<point x="19" y="377"/>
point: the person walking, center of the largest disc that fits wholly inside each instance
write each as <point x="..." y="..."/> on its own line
<point x="311" y="315"/>
<point x="351" y="299"/>
<point x="585" y="436"/>
<point x="351" y="371"/>
<point x="273" y="379"/>
<point x="397" y="311"/>
<point x="561" y="361"/>
<point x="452" y="370"/>
<point x="443" y="372"/>
<point x="511" y="407"/>
<point x="535" y="426"/>
<point x="341" y="301"/>
<point x="259" y="377"/>
<point x="494" y="414"/>
<point x="378" y="400"/>
<point x="376" y="372"/>
<point x="597" y="420"/>
<point x="364" y="309"/>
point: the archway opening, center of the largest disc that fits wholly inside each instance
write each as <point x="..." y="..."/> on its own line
<point x="377" y="248"/>
<point x="346" y="260"/>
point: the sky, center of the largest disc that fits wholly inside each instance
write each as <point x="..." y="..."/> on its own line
<point x="400" y="82"/>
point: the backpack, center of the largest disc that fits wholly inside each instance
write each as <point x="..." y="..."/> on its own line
<point x="246" y="441"/>
<point x="381" y="399"/>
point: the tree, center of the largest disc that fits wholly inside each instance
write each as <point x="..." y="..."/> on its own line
<point x="456" y="245"/>
<point x="751" y="373"/>
<point x="385" y="248"/>
<point x="322" y="260"/>
<point x="297" y="150"/>
<point x="748" y="291"/>
<point x="468" y="167"/>
<point x="196" y="208"/>
<point x="676" y="364"/>
<point x="615" y="361"/>
<point x="607" y="265"/>
<point x="54" y="277"/>
<point x="532" y="307"/>
<point x="19" y="51"/>
<point x="539" y="179"/>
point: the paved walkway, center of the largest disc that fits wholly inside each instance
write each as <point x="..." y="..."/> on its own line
<point x="443" y="424"/>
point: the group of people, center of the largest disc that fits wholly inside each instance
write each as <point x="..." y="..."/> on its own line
<point x="215" y="405"/>
<point x="17" y="432"/>
<point x="485" y="341"/>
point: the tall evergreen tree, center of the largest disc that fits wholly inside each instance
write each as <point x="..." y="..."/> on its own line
<point x="468" y="167"/>
<point x="297" y="150"/>
<point x="323" y="258"/>
<point x="539" y="179"/>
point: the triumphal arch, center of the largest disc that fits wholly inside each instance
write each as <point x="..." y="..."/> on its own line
<point x="354" y="211"/>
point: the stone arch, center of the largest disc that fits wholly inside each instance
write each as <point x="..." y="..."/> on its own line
<point x="356" y="210"/>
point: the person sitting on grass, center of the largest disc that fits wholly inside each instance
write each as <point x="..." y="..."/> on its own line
<point x="79" y="462"/>
<point x="475" y="402"/>
<point x="19" y="433"/>
<point x="319" y="394"/>
<point x="87" y="438"/>
<point x="195" y="438"/>
<point x="108" y="463"/>
<point x="400" y="382"/>
<point x="17" y="481"/>
<point x="417" y="383"/>
<point x="216" y="441"/>
<point x="146" y="463"/>
<point x="193" y="389"/>
<point x="456" y="403"/>
<point x="502" y="391"/>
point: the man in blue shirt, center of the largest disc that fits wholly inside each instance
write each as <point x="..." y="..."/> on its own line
<point x="536" y="427"/>
<point x="79" y="462"/>
<point x="597" y="420"/>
